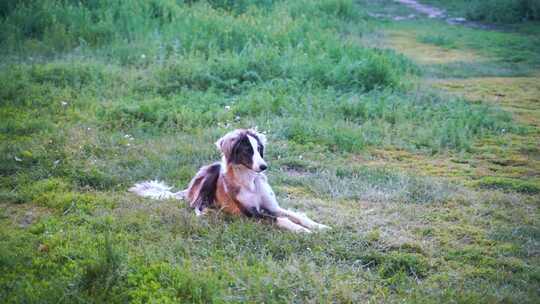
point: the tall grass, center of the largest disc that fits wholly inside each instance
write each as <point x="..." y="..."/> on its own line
<point x="53" y="26"/>
<point x="159" y="67"/>
<point x="504" y="11"/>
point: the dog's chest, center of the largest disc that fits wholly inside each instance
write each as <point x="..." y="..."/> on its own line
<point x="251" y="196"/>
<point x="249" y="199"/>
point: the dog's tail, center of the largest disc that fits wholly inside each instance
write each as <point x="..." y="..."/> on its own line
<point x="201" y="192"/>
<point x="156" y="190"/>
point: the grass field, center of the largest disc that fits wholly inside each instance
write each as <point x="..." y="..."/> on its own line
<point x="416" y="140"/>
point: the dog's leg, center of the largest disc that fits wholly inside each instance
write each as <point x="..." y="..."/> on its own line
<point x="301" y="219"/>
<point x="271" y="205"/>
<point x="286" y="223"/>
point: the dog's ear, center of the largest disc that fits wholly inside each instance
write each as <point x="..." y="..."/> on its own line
<point x="226" y="143"/>
<point x="222" y="146"/>
<point x="219" y="143"/>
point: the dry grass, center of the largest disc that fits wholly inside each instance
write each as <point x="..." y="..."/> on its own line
<point x="406" y="42"/>
<point x="519" y="95"/>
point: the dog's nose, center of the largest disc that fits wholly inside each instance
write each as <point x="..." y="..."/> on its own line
<point x="263" y="167"/>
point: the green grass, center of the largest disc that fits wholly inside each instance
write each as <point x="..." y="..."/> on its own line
<point x="509" y="184"/>
<point x="438" y="40"/>
<point x="97" y="95"/>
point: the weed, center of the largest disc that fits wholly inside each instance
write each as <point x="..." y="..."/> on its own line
<point x="104" y="273"/>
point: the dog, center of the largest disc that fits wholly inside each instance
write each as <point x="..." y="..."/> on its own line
<point x="237" y="185"/>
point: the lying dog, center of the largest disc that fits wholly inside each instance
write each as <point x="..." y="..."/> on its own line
<point x="236" y="185"/>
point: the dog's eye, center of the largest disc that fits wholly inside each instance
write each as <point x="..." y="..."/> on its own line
<point x="261" y="149"/>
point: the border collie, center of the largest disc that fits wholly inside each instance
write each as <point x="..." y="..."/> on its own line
<point x="236" y="185"/>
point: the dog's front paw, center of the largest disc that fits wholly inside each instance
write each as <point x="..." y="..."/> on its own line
<point x="323" y="227"/>
<point x="303" y="230"/>
<point x="201" y="211"/>
<point x="285" y="223"/>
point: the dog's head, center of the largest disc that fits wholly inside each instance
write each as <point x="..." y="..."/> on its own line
<point x="244" y="147"/>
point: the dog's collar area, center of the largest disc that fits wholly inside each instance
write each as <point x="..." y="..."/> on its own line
<point x="241" y="166"/>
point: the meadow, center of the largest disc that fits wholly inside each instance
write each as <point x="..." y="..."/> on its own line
<point x="416" y="140"/>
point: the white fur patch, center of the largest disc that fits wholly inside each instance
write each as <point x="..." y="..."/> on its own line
<point x="156" y="190"/>
<point x="257" y="160"/>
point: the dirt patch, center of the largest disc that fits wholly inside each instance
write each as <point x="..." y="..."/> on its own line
<point x="430" y="11"/>
<point x="23" y="215"/>
<point x="437" y="13"/>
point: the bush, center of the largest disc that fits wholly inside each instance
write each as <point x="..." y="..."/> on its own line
<point x="165" y="283"/>
<point x="504" y="11"/>
<point x="394" y="264"/>
<point x="104" y="272"/>
<point x="498" y="11"/>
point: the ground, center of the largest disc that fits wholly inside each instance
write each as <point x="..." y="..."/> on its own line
<point x="415" y="138"/>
